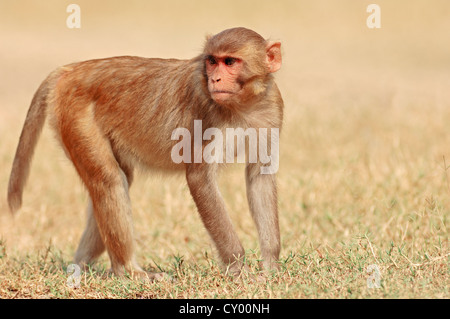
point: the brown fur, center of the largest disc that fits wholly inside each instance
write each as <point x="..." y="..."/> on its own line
<point x="113" y="114"/>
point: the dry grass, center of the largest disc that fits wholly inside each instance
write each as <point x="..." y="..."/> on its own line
<point x="365" y="155"/>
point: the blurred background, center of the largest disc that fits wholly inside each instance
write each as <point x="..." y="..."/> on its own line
<point x="366" y="113"/>
<point x="322" y="40"/>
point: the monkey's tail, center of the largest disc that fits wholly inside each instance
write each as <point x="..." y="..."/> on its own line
<point x="31" y="131"/>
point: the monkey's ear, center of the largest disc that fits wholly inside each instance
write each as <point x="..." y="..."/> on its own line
<point x="273" y="56"/>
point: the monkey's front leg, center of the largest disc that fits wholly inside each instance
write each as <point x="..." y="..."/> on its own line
<point x="202" y="182"/>
<point x="262" y="199"/>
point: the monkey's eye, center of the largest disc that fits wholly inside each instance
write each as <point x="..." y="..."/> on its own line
<point x="211" y="60"/>
<point x="229" y="61"/>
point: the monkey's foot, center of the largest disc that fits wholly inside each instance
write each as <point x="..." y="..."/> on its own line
<point x="245" y="273"/>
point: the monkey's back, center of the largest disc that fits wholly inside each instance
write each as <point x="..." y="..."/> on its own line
<point x="131" y="100"/>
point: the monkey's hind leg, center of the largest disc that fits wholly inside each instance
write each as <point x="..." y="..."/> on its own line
<point x="91" y="245"/>
<point x="110" y="224"/>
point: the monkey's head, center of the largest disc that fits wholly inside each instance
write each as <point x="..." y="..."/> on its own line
<point x="238" y="64"/>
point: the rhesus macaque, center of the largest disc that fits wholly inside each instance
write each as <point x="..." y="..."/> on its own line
<point x="113" y="114"/>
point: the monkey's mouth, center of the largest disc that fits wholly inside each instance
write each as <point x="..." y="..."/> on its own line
<point x="222" y="92"/>
<point x="221" y="95"/>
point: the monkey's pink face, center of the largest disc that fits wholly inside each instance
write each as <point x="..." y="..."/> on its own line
<point x="223" y="73"/>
